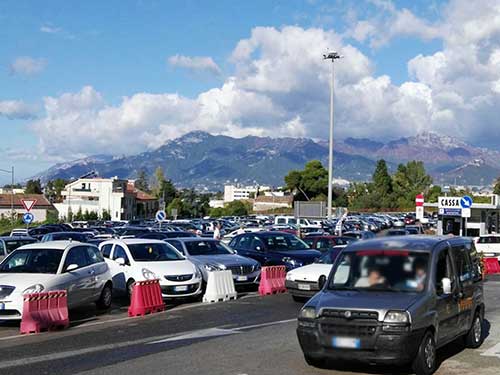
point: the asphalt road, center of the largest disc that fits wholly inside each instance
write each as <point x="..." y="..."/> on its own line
<point x="253" y="335"/>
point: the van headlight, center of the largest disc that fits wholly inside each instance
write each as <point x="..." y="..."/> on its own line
<point x="148" y="275"/>
<point x="400" y="317"/>
<point x="37" y="288"/>
<point x="308" y="313"/>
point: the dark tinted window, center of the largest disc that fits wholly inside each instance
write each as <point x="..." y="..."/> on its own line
<point x="77" y="255"/>
<point x="206" y="248"/>
<point x="244" y="243"/>
<point x="13" y="245"/>
<point x="462" y="263"/>
<point x="443" y="269"/>
<point x="106" y="250"/>
<point x="153" y="252"/>
<point x="33" y="261"/>
<point x="94" y="255"/>
<point x="177" y="245"/>
<point x="119" y="252"/>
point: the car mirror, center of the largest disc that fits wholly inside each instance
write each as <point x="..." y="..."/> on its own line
<point x="321" y="281"/>
<point x="71" y="267"/>
<point x="120" y="261"/>
<point x="446" y="282"/>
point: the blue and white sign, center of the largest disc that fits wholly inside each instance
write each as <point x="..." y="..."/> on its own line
<point x="466" y="202"/>
<point x="450" y="211"/>
<point x="28" y="218"/>
<point x="161" y="215"/>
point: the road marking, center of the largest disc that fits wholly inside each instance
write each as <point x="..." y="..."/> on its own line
<point x="209" y="332"/>
<point x="494" y="351"/>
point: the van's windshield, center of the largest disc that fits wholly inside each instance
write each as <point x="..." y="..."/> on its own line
<point x="381" y="270"/>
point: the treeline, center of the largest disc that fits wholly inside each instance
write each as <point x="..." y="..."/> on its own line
<point x="384" y="192"/>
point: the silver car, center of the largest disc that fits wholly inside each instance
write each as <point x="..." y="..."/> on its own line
<point x="213" y="255"/>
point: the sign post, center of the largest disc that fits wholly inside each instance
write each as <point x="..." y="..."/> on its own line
<point x="466" y="203"/>
<point x="28" y="205"/>
<point x="419" y="206"/>
<point x="160" y="216"/>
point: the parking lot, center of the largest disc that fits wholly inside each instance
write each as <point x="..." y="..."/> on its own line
<point x="252" y="335"/>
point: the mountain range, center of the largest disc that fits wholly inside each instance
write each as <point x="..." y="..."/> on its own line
<point x="204" y="161"/>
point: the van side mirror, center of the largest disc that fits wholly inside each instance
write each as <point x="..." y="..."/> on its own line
<point x="321" y="281"/>
<point x="120" y="261"/>
<point x="446" y="282"/>
<point x="71" y="267"/>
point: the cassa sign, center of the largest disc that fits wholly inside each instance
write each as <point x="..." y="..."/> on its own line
<point x="449" y="202"/>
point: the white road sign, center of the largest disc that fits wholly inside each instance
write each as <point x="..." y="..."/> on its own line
<point x="449" y="202"/>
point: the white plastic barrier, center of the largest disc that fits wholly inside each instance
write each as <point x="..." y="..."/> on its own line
<point x="220" y="287"/>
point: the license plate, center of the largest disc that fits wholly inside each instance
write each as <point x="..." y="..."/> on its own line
<point x="241" y="278"/>
<point x="304" y="286"/>
<point x="346" y="343"/>
<point x="181" y="288"/>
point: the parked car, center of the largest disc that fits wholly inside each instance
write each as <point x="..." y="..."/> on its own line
<point x="132" y="260"/>
<point x="489" y="245"/>
<point x="39" y="267"/>
<point x="396" y="302"/>
<point x="65" y="236"/>
<point x="8" y="244"/>
<point x="166" y="235"/>
<point x="324" y="243"/>
<point x="397" y="232"/>
<point x="304" y="282"/>
<point x="415" y="229"/>
<point x="213" y="255"/>
<point x="274" y="248"/>
<point x="19" y="232"/>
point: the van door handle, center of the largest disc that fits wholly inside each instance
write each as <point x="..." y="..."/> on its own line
<point x="92" y="272"/>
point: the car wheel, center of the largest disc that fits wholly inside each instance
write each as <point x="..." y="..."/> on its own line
<point x="425" y="361"/>
<point x="130" y="288"/>
<point x="104" y="301"/>
<point x="315" y="362"/>
<point x="474" y="338"/>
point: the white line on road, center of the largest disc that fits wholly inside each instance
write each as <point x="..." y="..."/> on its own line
<point x="494" y="351"/>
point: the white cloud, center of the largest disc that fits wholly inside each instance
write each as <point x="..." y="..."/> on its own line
<point x="49" y="29"/>
<point x="27" y="66"/>
<point x="195" y="63"/>
<point x="16" y="109"/>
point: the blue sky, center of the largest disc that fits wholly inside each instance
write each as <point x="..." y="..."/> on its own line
<point x="121" y="49"/>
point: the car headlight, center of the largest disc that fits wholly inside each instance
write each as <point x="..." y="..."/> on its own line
<point x="308" y="313"/>
<point x="289" y="276"/>
<point x="212" y="267"/>
<point x="197" y="273"/>
<point x="37" y="288"/>
<point x="148" y="275"/>
<point x="291" y="261"/>
<point x="396" y="317"/>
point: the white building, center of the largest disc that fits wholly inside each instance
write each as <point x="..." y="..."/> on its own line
<point x="234" y="192"/>
<point x="40" y="209"/>
<point x="98" y="195"/>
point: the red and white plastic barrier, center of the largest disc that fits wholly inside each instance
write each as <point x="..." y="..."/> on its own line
<point x="491" y="266"/>
<point x="272" y="280"/>
<point x="44" y="311"/>
<point x="146" y="298"/>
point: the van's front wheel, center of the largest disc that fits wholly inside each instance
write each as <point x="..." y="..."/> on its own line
<point x="425" y="361"/>
<point x="475" y="337"/>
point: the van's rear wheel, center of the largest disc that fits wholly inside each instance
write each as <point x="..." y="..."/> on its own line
<point x="475" y="337"/>
<point x="425" y="361"/>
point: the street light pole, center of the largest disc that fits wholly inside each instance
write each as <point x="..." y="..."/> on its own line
<point x="331" y="56"/>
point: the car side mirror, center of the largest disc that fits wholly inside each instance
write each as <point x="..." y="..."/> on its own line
<point x="120" y="261"/>
<point x="71" y="267"/>
<point x="321" y="281"/>
<point x="446" y="282"/>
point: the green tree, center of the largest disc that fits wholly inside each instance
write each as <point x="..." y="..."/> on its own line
<point x="216" y="212"/>
<point x="237" y="208"/>
<point x="105" y="215"/>
<point x="410" y="180"/>
<point x="141" y="182"/>
<point x="33" y="187"/>
<point x="79" y="215"/>
<point x="496" y="188"/>
<point x="308" y="183"/>
<point x="177" y="204"/>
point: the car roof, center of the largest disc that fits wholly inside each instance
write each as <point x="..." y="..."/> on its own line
<point x="192" y="239"/>
<point x="419" y="242"/>
<point x="53" y="245"/>
<point x="134" y="241"/>
<point x="7" y="238"/>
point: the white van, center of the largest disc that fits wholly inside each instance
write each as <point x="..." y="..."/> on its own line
<point x="283" y="220"/>
<point x="489" y="245"/>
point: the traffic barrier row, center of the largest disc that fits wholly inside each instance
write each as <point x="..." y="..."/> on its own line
<point x="272" y="280"/>
<point x="220" y="287"/>
<point x="146" y="298"/>
<point x="44" y="311"/>
<point x="491" y="266"/>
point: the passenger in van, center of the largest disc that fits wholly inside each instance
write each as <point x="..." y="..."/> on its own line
<point x="374" y="278"/>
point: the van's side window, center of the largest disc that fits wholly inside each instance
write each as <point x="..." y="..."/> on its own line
<point x="462" y="263"/>
<point x="443" y="270"/>
<point x="475" y="261"/>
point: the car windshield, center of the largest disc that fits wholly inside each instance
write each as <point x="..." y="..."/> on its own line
<point x="381" y="270"/>
<point x="69" y="236"/>
<point x="329" y="257"/>
<point x="206" y="248"/>
<point x="284" y="243"/>
<point x="32" y="261"/>
<point x="153" y="252"/>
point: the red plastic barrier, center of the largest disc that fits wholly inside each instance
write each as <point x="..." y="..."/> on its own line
<point x="146" y="298"/>
<point x="491" y="266"/>
<point x="272" y="280"/>
<point x="44" y="311"/>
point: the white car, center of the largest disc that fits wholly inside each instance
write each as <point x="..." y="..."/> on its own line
<point x="75" y="267"/>
<point x="137" y="259"/>
<point x="304" y="282"/>
<point x="19" y="232"/>
<point x="489" y="245"/>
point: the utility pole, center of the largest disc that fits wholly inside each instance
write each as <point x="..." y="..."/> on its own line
<point x="331" y="56"/>
<point x="11" y="172"/>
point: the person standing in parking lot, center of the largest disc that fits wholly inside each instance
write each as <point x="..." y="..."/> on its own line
<point x="217" y="231"/>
